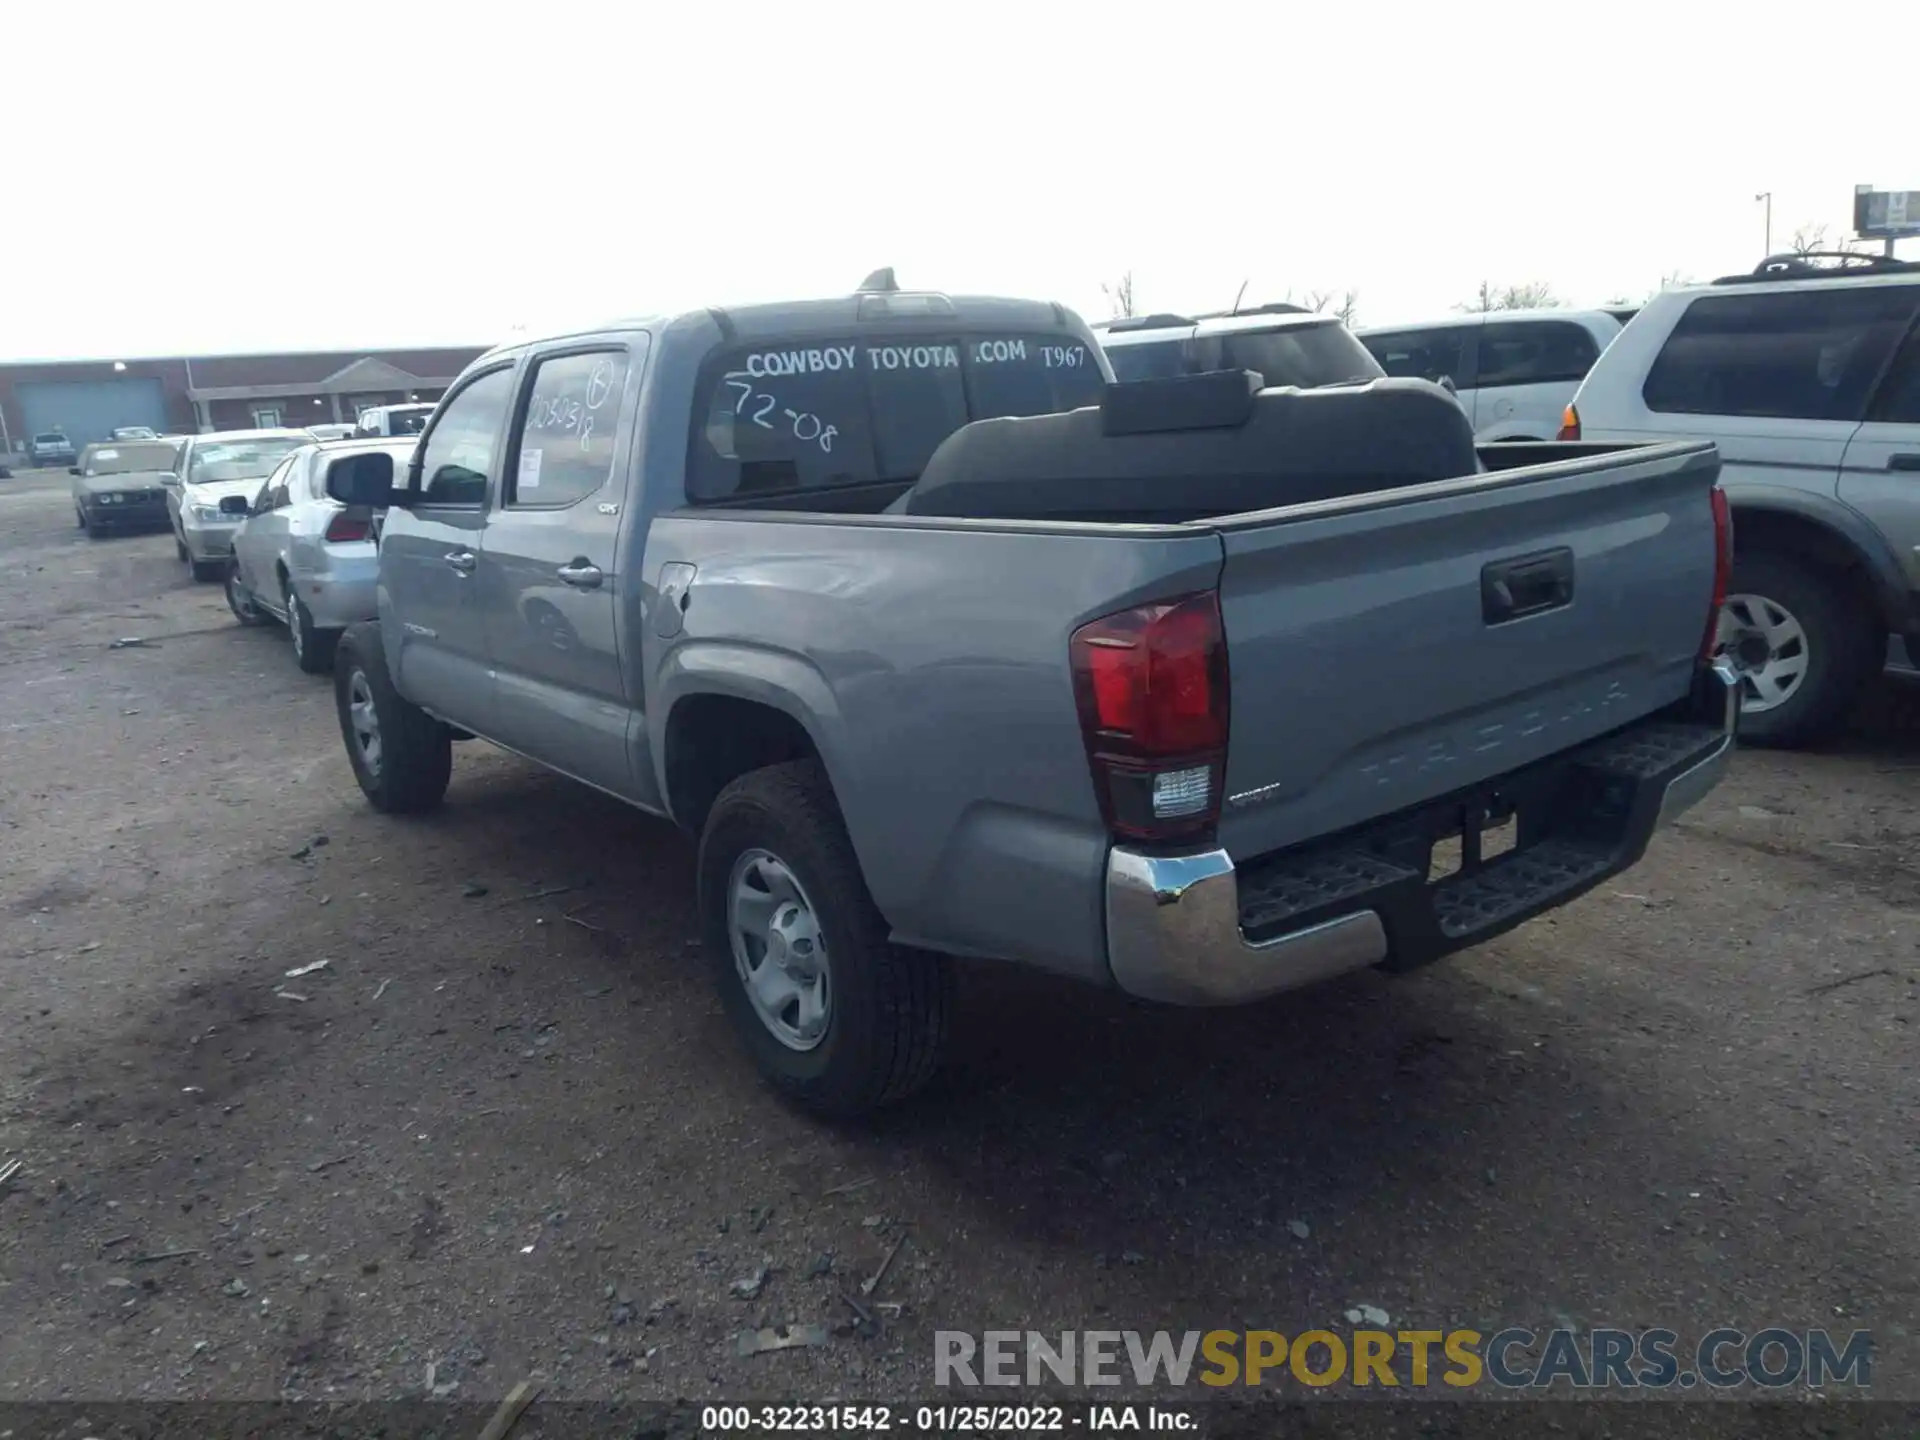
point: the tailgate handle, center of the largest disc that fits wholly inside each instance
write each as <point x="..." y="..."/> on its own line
<point x="1526" y="585"/>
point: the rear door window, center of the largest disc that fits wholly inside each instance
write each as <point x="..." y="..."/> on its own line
<point x="1436" y="355"/>
<point x="1809" y="354"/>
<point x="1534" y="352"/>
<point x="568" y="430"/>
<point x="832" y="413"/>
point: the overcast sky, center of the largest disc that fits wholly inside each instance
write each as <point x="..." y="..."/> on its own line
<point x="203" y="177"/>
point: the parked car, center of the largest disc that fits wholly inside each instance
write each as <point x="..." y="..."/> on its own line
<point x="1285" y="344"/>
<point x="1174" y="692"/>
<point x="50" y="448"/>
<point x="300" y="560"/>
<point x="134" y="432"/>
<point x="123" y="486"/>
<point x="1808" y="379"/>
<point x="212" y="468"/>
<point x="393" y="420"/>
<point x="1514" y="370"/>
<point x="331" y="430"/>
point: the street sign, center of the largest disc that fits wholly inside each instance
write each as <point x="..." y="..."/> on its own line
<point x="1885" y="214"/>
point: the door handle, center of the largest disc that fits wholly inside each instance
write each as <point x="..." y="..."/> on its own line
<point x="581" y="574"/>
<point x="1903" y="462"/>
<point x="461" y="560"/>
<point x="1526" y="585"/>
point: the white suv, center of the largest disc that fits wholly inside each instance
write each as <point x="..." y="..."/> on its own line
<point x="1808" y="377"/>
<point x="1514" y="370"/>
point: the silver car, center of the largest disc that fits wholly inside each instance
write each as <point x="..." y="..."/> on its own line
<point x="214" y="470"/>
<point x="300" y="559"/>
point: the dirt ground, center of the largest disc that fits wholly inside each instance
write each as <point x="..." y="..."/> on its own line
<point x="506" y="1134"/>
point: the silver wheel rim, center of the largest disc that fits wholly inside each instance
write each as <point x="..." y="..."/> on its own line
<point x="1767" y="647"/>
<point x="364" y="721"/>
<point x="293" y="623"/>
<point x="779" y="950"/>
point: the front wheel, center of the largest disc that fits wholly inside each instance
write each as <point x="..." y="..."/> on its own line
<point x="402" y="756"/>
<point x="180" y="549"/>
<point x="833" y="1014"/>
<point x="1800" y="646"/>
<point x="207" y="571"/>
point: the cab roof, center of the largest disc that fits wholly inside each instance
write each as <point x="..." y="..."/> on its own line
<point x="800" y="319"/>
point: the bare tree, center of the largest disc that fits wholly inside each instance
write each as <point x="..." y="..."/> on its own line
<point x="1344" y="306"/>
<point x="1533" y="295"/>
<point x="1120" y="296"/>
<point x="1812" y="238"/>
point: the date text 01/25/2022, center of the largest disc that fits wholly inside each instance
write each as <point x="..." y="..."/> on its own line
<point x="944" y="1419"/>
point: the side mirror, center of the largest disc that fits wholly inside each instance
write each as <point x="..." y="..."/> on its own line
<point x="75" y="470"/>
<point x="170" y="480"/>
<point x="234" y="505"/>
<point x="1446" y="383"/>
<point x="362" y="480"/>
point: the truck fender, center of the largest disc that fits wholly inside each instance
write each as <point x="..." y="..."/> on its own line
<point x="777" y="679"/>
<point x="1841" y="534"/>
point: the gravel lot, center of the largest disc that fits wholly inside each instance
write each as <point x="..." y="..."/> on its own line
<point x="507" y="1133"/>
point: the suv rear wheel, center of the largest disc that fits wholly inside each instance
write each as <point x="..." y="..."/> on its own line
<point x="1800" y="646"/>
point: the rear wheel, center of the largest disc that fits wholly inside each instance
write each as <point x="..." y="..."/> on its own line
<point x="833" y="1014"/>
<point x="312" y="647"/>
<point x="402" y="756"/>
<point x="240" y="599"/>
<point x="1800" y="646"/>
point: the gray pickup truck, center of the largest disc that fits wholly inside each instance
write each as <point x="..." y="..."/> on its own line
<point x="944" y="646"/>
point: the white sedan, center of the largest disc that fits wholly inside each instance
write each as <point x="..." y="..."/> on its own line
<point x="298" y="558"/>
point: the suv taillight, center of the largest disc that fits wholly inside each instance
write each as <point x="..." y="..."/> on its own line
<point x="341" y="529"/>
<point x="1722" y="570"/>
<point x="1151" y="684"/>
<point x="1569" y="424"/>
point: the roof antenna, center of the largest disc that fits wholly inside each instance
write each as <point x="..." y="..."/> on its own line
<point x="1239" y="295"/>
<point x="881" y="279"/>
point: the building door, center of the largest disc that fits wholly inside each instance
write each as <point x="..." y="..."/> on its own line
<point x="89" y="410"/>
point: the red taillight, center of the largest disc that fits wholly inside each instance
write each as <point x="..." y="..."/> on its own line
<point x="1722" y="569"/>
<point x="341" y="529"/>
<point x="1569" y="424"/>
<point x="1151" y="683"/>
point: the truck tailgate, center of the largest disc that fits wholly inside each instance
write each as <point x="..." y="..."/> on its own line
<point x="1390" y="653"/>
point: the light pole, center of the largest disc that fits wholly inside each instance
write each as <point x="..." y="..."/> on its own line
<point x="1767" y="196"/>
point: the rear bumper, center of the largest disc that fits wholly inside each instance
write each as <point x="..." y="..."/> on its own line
<point x="338" y="600"/>
<point x="1195" y="929"/>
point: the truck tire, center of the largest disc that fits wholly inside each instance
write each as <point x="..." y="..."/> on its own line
<point x="402" y="756"/>
<point x="844" y="1021"/>
<point x="1801" y="646"/>
<point x="180" y="549"/>
<point x="207" y="571"/>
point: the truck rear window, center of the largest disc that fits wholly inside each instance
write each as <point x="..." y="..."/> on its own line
<point x="830" y="413"/>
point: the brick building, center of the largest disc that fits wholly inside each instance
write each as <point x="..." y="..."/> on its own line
<point x="86" y="399"/>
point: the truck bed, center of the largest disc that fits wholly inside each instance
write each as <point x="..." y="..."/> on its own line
<point x="1372" y="668"/>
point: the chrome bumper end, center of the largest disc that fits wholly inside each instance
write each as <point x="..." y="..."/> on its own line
<point x="1173" y="935"/>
